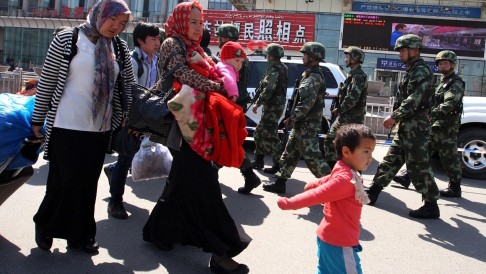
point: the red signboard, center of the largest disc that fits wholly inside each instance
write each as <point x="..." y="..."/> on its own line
<point x="291" y="30"/>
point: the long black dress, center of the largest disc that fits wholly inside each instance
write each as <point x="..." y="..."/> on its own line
<point x="191" y="210"/>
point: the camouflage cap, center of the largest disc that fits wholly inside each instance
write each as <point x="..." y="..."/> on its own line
<point x="446" y="55"/>
<point x="228" y="31"/>
<point x="356" y="54"/>
<point x="411" y="41"/>
<point x="275" y="50"/>
<point x="314" y="49"/>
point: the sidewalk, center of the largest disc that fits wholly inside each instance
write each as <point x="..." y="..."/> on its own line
<point x="283" y="241"/>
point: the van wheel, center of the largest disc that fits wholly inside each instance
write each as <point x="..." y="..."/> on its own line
<point x="472" y="145"/>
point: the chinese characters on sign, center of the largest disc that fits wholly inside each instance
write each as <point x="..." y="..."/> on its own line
<point x="289" y="30"/>
<point x="429" y="10"/>
<point x="66" y="12"/>
<point x="396" y="64"/>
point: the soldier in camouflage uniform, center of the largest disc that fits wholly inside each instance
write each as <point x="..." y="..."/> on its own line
<point x="446" y="120"/>
<point x="410" y="143"/>
<point x="351" y="106"/>
<point x="225" y="33"/>
<point x="305" y="117"/>
<point x="272" y="96"/>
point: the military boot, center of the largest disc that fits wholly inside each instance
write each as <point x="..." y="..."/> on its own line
<point x="402" y="178"/>
<point x="258" y="162"/>
<point x="251" y="181"/>
<point x="430" y="210"/>
<point x="373" y="193"/>
<point x="276" y="187"/>
<point x="453" y="191"/>
<point x="272" y="170"/>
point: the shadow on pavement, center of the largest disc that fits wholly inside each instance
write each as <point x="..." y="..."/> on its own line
<point x="452" y="238"/>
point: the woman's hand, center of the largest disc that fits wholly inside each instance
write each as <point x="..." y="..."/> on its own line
<point x="255" y="108"/>
<point x="37" y="131"/>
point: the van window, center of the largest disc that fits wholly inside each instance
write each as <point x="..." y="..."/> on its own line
<point x="257" y="70"/>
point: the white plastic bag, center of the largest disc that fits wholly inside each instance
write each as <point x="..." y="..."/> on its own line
<point x="152" y="161"/>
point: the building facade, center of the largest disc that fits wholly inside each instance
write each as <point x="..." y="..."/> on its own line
<point x="26" y="28"/>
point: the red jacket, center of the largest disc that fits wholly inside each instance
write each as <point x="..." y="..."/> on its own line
<point x="342" y="212"/>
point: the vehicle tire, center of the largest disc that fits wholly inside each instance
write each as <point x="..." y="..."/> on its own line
<point x="472" y="142"/>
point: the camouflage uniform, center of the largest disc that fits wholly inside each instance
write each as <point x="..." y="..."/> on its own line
<point x="351" y="107"/>
<point x="305" y="115"/>
<point x="306" y="118"/>
<point x="273" y="88"/>
<point x="410" y="143"/>
<point x="446" y="120"/>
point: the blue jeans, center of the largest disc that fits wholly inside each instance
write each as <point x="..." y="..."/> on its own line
<point x="119" y="173"/>
<point x="338" y="259"/>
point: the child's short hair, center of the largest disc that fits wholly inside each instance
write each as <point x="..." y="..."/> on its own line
<point x="350" y="136"/>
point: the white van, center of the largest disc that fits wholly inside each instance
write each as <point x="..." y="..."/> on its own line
<point x="258" y="65"/>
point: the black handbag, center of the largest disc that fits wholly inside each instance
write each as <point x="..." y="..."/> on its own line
<point x="149" y="111"/>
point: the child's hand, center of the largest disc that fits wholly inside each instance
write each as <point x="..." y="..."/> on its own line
<point x="283" y="203"/>
<point x="233" y="98"/>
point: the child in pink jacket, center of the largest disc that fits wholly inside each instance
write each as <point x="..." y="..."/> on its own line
<point x="232" y="57"/>
<point x="343" y="196"/>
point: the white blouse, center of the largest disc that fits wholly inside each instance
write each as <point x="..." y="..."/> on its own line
<point x="74" y="111"/>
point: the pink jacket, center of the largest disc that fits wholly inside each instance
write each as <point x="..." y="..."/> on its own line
<point x="342" y="212"/>
<point x="229" y="76"/>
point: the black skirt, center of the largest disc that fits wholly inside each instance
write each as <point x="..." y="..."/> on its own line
<point x="75" y="163"/>
<point x="191" y="210"/>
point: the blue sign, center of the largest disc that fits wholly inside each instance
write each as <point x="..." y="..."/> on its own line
<point x="428" y="10"/>
<point x="395" y="64"/>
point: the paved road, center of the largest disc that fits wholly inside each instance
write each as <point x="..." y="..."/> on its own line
<point x="283" y="241"/>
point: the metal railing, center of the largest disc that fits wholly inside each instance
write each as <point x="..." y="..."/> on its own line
<point x="14" y="81"/>
<point x="375" y="114"/>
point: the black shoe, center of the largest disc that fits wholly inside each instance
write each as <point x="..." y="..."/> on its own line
<point x="279" y="186"/>
<point x="258" y="162"/>
<point x="217" y="268"/>
<point x="89" y="246"/>
<point x="107" y="171"/>
<point x="373" y="193"/>
<point x="453" y="191"/>
<point x="117" y="210"/>
<point x="251" y="181"/>
<point x="43" y="241"/>
<point x="402" y="178"/>
<point x="272" y="170"/>
<point x="430" y="210"/>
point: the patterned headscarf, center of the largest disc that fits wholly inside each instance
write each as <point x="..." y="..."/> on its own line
<point x="178" y="25"/>
<point x="104" y="79"/>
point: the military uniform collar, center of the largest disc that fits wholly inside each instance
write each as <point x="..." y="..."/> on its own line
<point x="447" y="78"/>
<point x="355" y="69"/>
<point x="412" y="66"/>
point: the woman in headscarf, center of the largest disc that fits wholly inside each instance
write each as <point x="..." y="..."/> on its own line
<point x="81" y="102"/>
<point x="191" y="209"/>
